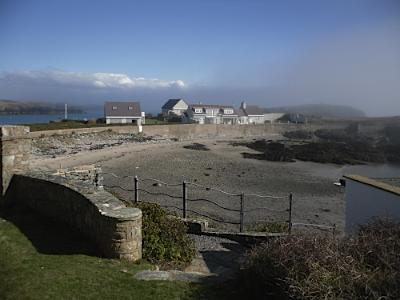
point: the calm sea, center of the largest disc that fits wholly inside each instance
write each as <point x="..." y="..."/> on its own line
<point x="32" y="119"/>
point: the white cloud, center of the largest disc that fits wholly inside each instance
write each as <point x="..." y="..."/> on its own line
<point x="90" y="80"/>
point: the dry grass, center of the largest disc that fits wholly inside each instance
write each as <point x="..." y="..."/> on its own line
<point x="365" y="266"/>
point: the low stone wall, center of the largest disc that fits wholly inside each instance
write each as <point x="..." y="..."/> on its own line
<point x="193" y="131"/>
<point x="117" y="129"/>
<point x="114" y="228"/>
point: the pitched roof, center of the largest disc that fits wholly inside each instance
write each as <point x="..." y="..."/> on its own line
<point x="211" y="106"/>
<point x="240" y="112"/>
<point x="171" y="103"/>
<point x="122" y="109"/>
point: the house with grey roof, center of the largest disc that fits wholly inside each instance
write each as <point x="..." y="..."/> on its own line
<point x="250" y="114"/>
<point x="211" y="114"/>
<point x="174" y="108"/>
<point x="123" y="113"/>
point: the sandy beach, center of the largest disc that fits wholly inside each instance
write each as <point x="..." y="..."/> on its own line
<point x="316" y="199"/>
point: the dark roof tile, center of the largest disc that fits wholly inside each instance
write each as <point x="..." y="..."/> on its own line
<point x="122" y="109"/>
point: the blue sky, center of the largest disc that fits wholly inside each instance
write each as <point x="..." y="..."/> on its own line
<point x="213" y="51"/>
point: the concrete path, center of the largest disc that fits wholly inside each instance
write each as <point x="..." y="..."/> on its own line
<point x="216" y="259"/>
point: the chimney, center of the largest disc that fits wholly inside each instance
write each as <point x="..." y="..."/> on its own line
<point x="243" y="105"/>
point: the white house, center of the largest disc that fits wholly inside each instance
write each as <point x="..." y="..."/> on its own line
<point x="174" y="108"/>
<point x="211" y="114"/>
<point x="366" y="198"/>
<point x="123" y="113"/>
<point x="250" y="114"/>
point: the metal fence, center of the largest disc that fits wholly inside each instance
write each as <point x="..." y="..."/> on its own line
<point x="184" y="203"/>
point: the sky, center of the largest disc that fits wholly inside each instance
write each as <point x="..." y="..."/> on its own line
<point x="269" y="53"/>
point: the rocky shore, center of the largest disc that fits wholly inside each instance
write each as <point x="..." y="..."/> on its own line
<point x="329" y="146"/>
<point x="57" y="145"/>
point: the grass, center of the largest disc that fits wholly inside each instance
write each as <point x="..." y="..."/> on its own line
<point x="40" y="259"/>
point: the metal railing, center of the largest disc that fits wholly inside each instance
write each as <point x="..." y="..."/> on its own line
<point x="184" y="209"/>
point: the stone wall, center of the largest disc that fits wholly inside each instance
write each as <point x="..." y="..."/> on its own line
<point x="192" y="131"/>
<point x="15" y="149"/>
<point x="117" y="129"/>
<point x="115" y="229"/>
<point x="73" y="196"/>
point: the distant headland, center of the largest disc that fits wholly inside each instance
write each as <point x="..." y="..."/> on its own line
<point x="12" y="107"/>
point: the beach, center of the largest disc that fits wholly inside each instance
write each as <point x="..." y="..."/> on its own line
<point x="315" y="198"/>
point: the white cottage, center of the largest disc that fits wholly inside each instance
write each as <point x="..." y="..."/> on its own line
<point x="174" y="108"/>
<point x="123" y="113"/>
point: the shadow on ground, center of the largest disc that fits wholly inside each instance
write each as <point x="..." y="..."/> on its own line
<point x="224" y="262"/>
<point x="46" y="235"/>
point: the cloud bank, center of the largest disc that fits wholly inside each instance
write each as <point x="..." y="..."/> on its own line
<point x="88" y="80"/>
<point x="358" y="67"/>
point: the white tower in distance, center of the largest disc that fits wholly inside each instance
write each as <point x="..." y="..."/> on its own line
<point x="66" y="111"/>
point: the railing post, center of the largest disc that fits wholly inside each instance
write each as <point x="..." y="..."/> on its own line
<point x="290" y="212"/>
<point x="241" y="211"/>
<point x="136" y="180"/>
<point x="184" y="198"/>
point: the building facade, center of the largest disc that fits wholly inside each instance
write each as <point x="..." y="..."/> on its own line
<point x="123" y="113"/>
<point x="174" y="108"/>
<point x="211" y="114"/>
<point x="250" y="114"/>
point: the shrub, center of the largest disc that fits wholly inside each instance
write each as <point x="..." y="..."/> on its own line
<point x="366" y="266"/>
<point x="270" y="227"/>
<point x="165" y="240"/>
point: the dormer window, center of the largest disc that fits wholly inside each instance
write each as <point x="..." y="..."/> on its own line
<point x="198" y="110"/>
<point x="228" y="111"/>
<point x="130" y="108"/>
<point x="114" y="108"/>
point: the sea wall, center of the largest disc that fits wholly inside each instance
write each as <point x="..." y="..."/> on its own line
<point x="192" y="131"/>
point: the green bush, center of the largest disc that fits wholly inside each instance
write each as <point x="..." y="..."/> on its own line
<point x="365" y="266"/>
<point x="165" y="240"/>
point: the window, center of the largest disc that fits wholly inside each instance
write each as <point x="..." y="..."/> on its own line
<point x="130" y="108"/>
<point x="198" y="110"/>
<point x="114" y="108"/>
<point x="228" y="111"/>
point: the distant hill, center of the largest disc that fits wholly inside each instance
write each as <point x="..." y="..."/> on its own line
<point x="322" y="111"/>
<point x="11" y="107"/>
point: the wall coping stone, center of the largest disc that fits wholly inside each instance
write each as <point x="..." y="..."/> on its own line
<point x="108" y="204"/>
